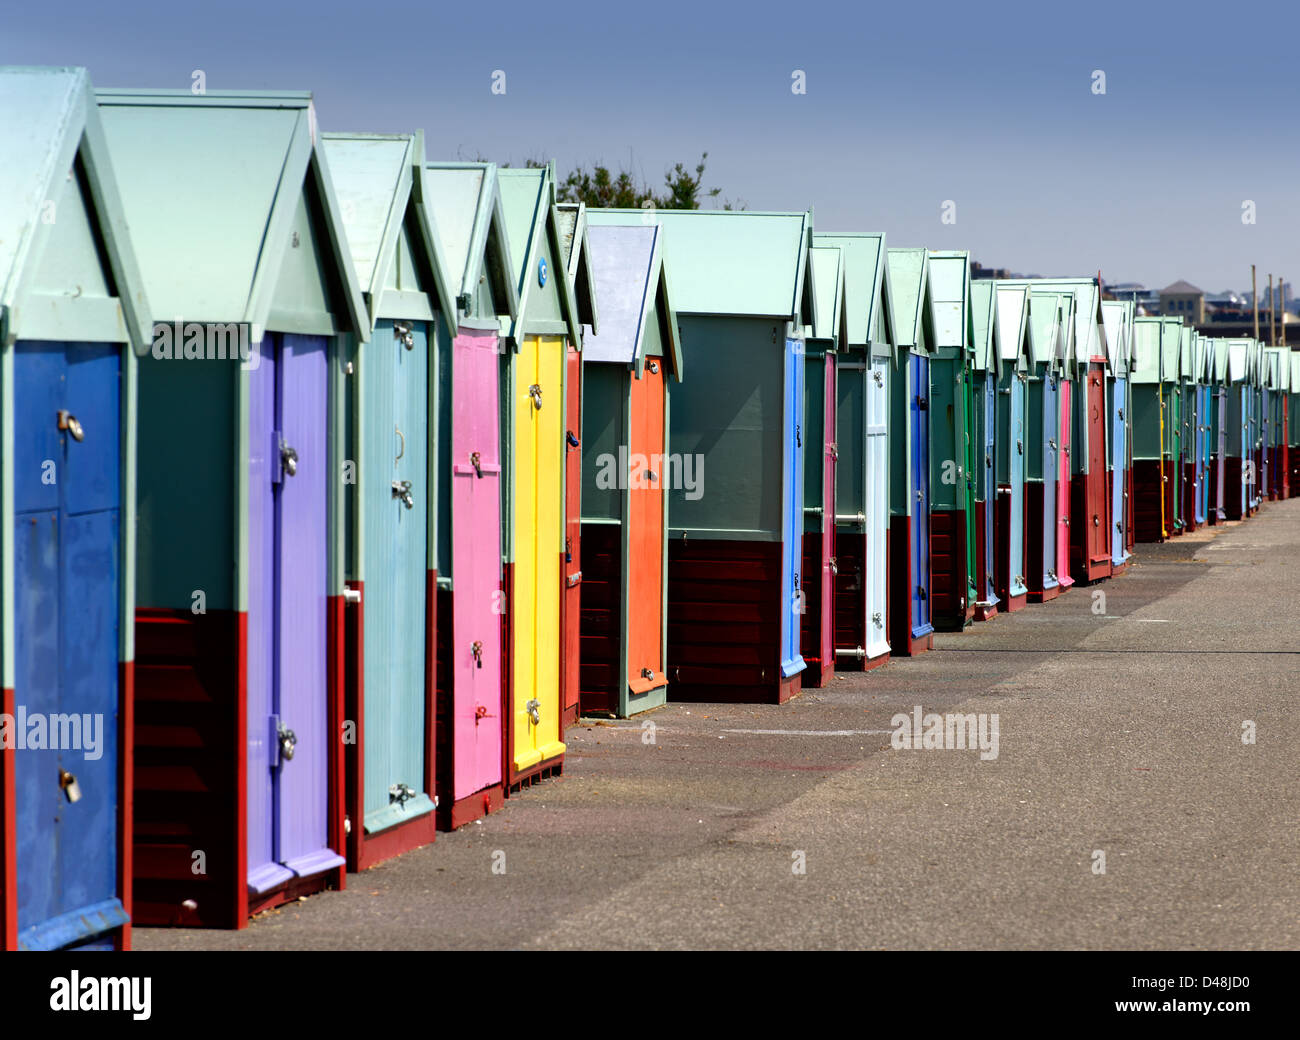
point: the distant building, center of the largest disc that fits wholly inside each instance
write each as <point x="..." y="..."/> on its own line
<point x="1183" y="300"/>
<point x="1146" y="300"/>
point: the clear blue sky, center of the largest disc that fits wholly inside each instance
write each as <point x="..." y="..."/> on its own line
<point x="986" y="104"/>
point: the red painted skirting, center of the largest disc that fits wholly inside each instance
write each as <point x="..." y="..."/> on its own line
<point x="811" y="621"/>
<point x="949" y="610"/>
<point x="902" y="642"/>
<point x="1148" y="487"/>
<point x="125" y="794"/>
<point x="1034" y="506"/>
<point x="8" y="839"/>
<point x="725" y="601"/>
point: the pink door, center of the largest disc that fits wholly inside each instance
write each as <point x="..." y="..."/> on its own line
<point x="476" y="562"/>
<point x="1063" y="477"/>
<point x="830" y="452"/>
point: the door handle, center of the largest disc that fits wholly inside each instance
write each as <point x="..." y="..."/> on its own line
<point x="68" y="421"/>
<point x="535" y="392"/>
<point x="402" y="437"/>
<point x="534" y="710"/>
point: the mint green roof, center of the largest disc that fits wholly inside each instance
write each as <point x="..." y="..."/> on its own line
<point x="1171" y="343"/>
<point x="1117" y="316"/>
<point x="1088" y="326"/>
<point x="1238" y="359"/>
<point x="1220" y="360"/>
<point x="572" y="220"/>
<point x="471" y="227"/>
<point x="212" y="242"/>
<point x="1012" y="322"/>
<point x="374" y="176"/>
<point x="48" y="124"/>
<point x="1048" y="313"/>
<point x="1294" y="359"/>
<point x="984" y="324"/>
<point x="949" y="282"/>
<point x="732" y="262"/>
<point x="866" y="283"/>
<point x="1187" y="353"/>
<point x="827" y="266"/>
<point x="1148" y="359"/>
<point x="908" y="269"/>
<point x="528" y="199"/>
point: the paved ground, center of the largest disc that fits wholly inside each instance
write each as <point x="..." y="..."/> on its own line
<point x="1120" y="731"/>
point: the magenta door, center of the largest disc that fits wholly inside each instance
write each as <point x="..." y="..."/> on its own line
<point x="829" y="453"/>
<point x="476" y="562"/>
<point x="1063" y="477"/>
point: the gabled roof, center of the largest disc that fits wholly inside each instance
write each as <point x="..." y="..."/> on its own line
<point x="1220" y="360"/>
<point x="1294" y="359"/>
<point x="471" y="225"/>
<point x="1088" y="327"/>
<point x="1180" y="286"/>
<point x="908" y="278"/>
<point x="1279" y="368"/>
<point x="1013" y="321"/>
<point x="528" y="197"/>
<point x="1046" y="320"/>
<point x="211" y="241"/>
<point x="630" y="279"/>
<point x="732" y="262"/>
<point x="866" y="283"/>
<point x="49" y="125"/>
<point x="1148" y="332"/>
<point x="1238" y="359"/>
<point x="1187" y="353"/>
<point x="572" y="218"/>
<point x="1171" y="344"/>
<point x="984" y="320"/>
<point x="1117" y="318"/>
<point x="374" y="176"/>
<point x="949" y="282"/>
<point x="827" y="267"/>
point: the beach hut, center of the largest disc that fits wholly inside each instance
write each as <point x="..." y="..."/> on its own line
<point x="392" y="404"/>
<point x="1014" y="361"/>
<point x="1258" y="471"/>
<point x="1117" y="316"/>
<point x="239" y="728"/>
<point x="1188" y="443"/>
<point x="1087" y="524"/>
<point x="821" y="355"/>
<point x="1048" y="314"/>
<point x="469" y="221"/>
<point x="572" y="220"/>
<point x="984" y="401"/>
<point x="1217" y="420"/>
<point x="737" y="427"/>
<point x="1277" y="372"/>
<point x="1293" y="423"/>
<point x="1204" y="363"/>
<point x="73" y="318"/>
<point x="537" y="425"/>
<point x="864" y="371"/>
<point x="1148" y="430"/>
<point x="630" y="368"/>
<point x="1239" y="464"/>
<point x="952" y="443"/>
<point x="909" y="449"/>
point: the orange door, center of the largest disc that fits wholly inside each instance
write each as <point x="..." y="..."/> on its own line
<point x="572" y="532"/>
<point x="645" y="588"/>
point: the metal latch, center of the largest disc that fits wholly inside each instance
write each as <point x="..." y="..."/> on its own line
<point x="68" y="421"/>
<point x="288" y="459"/>
<point x="877" y="620"/>
<point x="476" y="460"/>
<point x="401" y="794"/>
<point x="535" y="392"/>
<point x="477" y="652"/>
<point x="69" y="786"/>
<point x="288" y="741"/>
<point x="534" y="709"/>
<point x="402" y="490"/>
<point x="402" y="331"/>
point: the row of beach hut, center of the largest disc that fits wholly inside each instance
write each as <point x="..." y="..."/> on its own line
<point x="338" y="481"/>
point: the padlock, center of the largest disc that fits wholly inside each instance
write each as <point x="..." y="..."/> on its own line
<point x="68" y="783"/>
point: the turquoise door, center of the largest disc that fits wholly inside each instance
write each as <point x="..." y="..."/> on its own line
<point x="395" y="493"/>
<point x="919" y="409"/>
<point x="1118" y="470"/>
<point x="792" y="524"/>
<point x="67" y="603"/>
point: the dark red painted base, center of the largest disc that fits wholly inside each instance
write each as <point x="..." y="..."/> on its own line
<point x="1148" y="487"/>
<point x="902" y="642"/>
<point x="1189" y="497"/>
<point x="1010" y="604"/>
<point x="725" y="604"/>
<point x="471" y="807"/>
<point x="1002" y="564"/>
<point x="949" y="582"/>
<point x="985" y="611"/>
<point x="524" y="778"/>
<point x="330" y="880"/>
<point x="8" y="839"/>
<point x="811" y="622"/>
<point x="850" y="597"/>
<point x="1232" y="488"/>
<point x="1035" y="503"/>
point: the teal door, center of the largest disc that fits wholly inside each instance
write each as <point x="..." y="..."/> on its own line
<point x="792" y="523"/>
<point x="395" y="493"/>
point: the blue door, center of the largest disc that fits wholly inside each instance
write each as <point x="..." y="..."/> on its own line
<point x="792" y="511"/>
<point x="1200" y="440"/>
<point x="919" y="407"/>
<point x="1119" y="473"/>
<point x="1051" y="455"/>
<point x="67" y="494"/>
<point x="984" y="581"/>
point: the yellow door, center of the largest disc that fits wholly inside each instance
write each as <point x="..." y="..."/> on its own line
<point x="539" y="548"/>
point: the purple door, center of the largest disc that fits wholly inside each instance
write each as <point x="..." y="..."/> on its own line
<point x="288" y="688"/>
<point x="476" y="562"/>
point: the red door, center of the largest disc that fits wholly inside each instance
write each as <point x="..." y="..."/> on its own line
<point x="1096" y="515"/>
<point x="570" y="658"/>
<point x="645" y="571"/>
